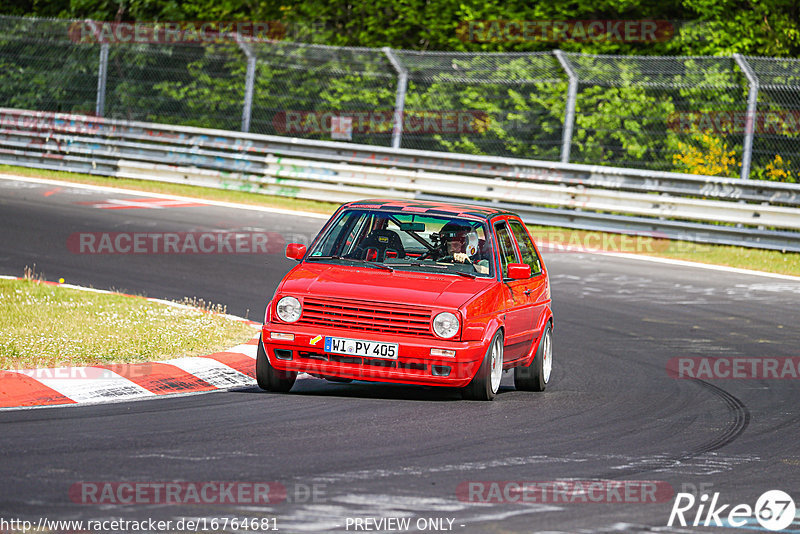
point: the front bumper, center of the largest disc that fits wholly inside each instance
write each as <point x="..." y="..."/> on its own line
<point x="414" y="363"/>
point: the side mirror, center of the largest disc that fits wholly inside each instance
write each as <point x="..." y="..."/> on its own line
<point x="519" y="271"/>
<point x="295" y="251"/>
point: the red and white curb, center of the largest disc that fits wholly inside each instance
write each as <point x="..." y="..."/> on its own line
<point x="234" y="367"/>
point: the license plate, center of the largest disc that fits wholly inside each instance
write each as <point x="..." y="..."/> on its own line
<point x="359" y="347"/>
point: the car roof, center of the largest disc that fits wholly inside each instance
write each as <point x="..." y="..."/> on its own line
<point x="430" y="207"/>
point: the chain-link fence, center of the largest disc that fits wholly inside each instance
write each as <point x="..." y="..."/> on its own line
<point x="724" y="116"/>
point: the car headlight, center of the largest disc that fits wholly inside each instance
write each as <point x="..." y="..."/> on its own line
<point x="288" y="309"/>
<point x="445" y="325"/>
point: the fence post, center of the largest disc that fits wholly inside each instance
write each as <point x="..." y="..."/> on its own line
<point x="400" y="96"/>
<point x="750" y="121"/>
<point x="569" y="114"/>
<point x="249" y="83"/>
<point x="102" y="75"/>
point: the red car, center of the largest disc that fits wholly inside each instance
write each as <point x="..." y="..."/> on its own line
<point x="415" y="293"/>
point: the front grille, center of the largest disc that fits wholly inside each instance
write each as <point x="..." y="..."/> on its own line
<point x="367" y="316"/>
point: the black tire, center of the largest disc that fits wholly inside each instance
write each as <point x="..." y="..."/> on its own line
<point x="481" y="387"/>
<point x="533" y="377"/>
<point x="269" y="378"/>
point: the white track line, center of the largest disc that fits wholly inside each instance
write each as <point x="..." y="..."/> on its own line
<point x="133" y="192"/>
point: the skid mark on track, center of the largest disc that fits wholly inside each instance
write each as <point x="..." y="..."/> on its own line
<point x="176" y="456"/>
<point x="700" y="465"/>
<point x="370" y="474"/>
<point x="701" y="460"/>
<point x="700" y="346"/>
<point x="740" y="418"/>
<point x="141" y="203"/>
<point x="695" y="463"/>
<point x="752" y="290"/>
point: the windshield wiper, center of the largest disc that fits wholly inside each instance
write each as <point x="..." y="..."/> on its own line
<point x="371" y="264"/>
<point x="438" y="266"/>
<point x="357" y="260"/>
<point x="414" y="263"/>
<point x="459" y="273"/>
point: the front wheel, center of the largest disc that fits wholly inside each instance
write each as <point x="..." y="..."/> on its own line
<point x="486" y="383"/>
<point x="269" y="378"/>
<point x="536" y="376"/>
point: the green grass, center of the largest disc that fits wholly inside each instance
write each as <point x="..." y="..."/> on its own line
<point x="740" y="257"/>
<point x="43" y="326"/>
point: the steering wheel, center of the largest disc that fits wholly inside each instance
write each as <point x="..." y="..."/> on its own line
<point x="426" y="255"/>
<point x="451" y="259"/>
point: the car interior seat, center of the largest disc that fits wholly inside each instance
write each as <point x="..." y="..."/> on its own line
<point x="380" y="244"/>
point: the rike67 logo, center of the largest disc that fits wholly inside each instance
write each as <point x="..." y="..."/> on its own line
<point x="774" y="510"/>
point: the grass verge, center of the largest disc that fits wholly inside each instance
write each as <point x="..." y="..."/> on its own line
<point x="739" y="257"/>
<point x="43" y="325"/>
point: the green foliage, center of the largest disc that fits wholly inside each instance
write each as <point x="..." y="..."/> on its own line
<point x="622" y="112"/>
<point x="699" y="27"/>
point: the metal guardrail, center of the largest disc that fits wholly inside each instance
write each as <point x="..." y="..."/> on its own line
<point x="695" y="208"/>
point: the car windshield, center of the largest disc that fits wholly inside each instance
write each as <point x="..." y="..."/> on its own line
<point x="409" y="242"/>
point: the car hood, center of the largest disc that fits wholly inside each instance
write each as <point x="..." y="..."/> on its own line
<point x="368" y="283"/>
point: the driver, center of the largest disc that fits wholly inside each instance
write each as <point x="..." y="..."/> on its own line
<point x="460" y="241"/>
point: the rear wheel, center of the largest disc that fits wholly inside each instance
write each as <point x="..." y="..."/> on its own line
<point x="536" y="376"/>
<point x="486" y="383"/>
<point x="268" y="377"/>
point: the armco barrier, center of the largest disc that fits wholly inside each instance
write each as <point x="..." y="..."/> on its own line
<point x="696" y="208"/>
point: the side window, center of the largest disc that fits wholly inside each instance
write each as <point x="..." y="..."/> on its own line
<point x="334" y="239"/>
<point x="526" y="247"/>
<point x="507" y="252"/>
<point x="348" y="231"/>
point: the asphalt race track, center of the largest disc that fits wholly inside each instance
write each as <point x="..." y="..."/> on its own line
<point x="357" y="451"/>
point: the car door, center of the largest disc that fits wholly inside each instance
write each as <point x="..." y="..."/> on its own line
<point x="534" y="288"/>
<point x="518" y="316"/>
